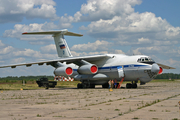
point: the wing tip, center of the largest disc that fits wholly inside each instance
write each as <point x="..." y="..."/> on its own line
<point x="24" y="33"/>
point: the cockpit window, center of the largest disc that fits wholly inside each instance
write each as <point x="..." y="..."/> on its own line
<point x="147" y="60"/>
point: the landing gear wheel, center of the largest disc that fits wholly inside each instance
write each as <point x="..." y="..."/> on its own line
<point x="46" y="86"/>
<point x="105" y="85"/>
<point x="92" y="86"/>
<point x="128" y="85"/>
<point x="134" y="85"/>
<point x="79" y="85"/>
<point x="84" y="86"/>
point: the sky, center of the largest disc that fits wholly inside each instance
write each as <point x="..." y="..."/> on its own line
<point x="132" y="27"/>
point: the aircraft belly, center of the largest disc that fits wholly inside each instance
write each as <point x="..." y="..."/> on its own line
<point x="97" y="76"/>
<point x="99" y="82"/>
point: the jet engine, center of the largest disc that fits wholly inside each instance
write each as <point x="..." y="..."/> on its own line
<point x="88" y="69"/>
<point x="63" y="71"/>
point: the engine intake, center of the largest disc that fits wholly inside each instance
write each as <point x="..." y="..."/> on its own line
<point x="63" y="71"/>
<point x="88" y="69"/>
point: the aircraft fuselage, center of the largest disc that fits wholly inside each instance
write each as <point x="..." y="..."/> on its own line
<point x="118" y="66"/>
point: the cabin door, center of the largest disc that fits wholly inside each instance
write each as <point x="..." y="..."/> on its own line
<point x="120" y="71"/>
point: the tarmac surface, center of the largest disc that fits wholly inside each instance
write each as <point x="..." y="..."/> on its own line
<point x="153" y="101"/>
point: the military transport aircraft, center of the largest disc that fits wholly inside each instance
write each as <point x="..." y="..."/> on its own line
<point x="98" y="69"/>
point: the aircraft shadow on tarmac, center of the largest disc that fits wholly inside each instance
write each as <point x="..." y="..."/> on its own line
<point x="99" y="87"/>
<point x="140" y="87"/>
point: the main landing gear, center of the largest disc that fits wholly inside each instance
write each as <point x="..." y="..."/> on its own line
<point x="85" y="84"/>
<point x="105" y="85"/>
<point x="132" y="85"/>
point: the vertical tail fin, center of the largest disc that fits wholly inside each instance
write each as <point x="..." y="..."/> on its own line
<point x="61" y="45"/>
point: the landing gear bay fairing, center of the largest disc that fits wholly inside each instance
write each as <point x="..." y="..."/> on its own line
<point x="98" y="69"/>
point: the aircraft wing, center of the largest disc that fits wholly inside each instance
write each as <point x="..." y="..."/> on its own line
<point x="68" y="60"/>
<point x="165" y="67"/>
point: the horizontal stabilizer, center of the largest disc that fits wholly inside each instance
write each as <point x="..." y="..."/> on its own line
<point x="165" y="67"/>
<point x="63" y="32"/>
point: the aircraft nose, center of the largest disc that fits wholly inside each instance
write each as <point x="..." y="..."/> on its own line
<point x="155" y="68"/>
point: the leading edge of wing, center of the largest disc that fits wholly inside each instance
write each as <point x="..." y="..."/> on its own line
<point x="165" y="66"/>
<point x="69" y="59"/>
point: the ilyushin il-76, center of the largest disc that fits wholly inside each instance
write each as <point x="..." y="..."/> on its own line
<point x="98" y="69"/>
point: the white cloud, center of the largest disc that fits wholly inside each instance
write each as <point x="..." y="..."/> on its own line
<point x="21" y="28"/>
<point x="118" y="52"/>
<point x="104" y="9"/>
<point x="145" y="22"/>
<point x="158" y="51"/>
<point x="96" y="10"/>
<point x="34" y="27"/>
<point x="1" y="44"/>
<point x="172" y="31"/>
<point x="173" y="62"/>
<point x="16" y="10"/>
<point x="135" y="23"/>
<point x="143" y="40"/>
<point x="6" y="50"/>
<point x="32" y="54"/>
<point x="74" y="53"/>
<point x="18" y="60"/>
<point x="11" y="55"/>
<point x="96" y="46"/>
<point x="49" y="49"/>
<point x="116" y="20"/>
<point x="27" y="53"/>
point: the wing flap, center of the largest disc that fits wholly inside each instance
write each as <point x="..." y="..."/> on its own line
<point x="165" y="66"/>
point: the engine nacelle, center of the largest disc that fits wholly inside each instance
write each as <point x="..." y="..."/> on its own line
<point x="63" y="71"/>
<point x="88" y="69"/>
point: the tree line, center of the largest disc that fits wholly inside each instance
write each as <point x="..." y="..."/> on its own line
<point x="33" y="78"/>
<point x="26" y="78"/>
<point x="168" y="75"/>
